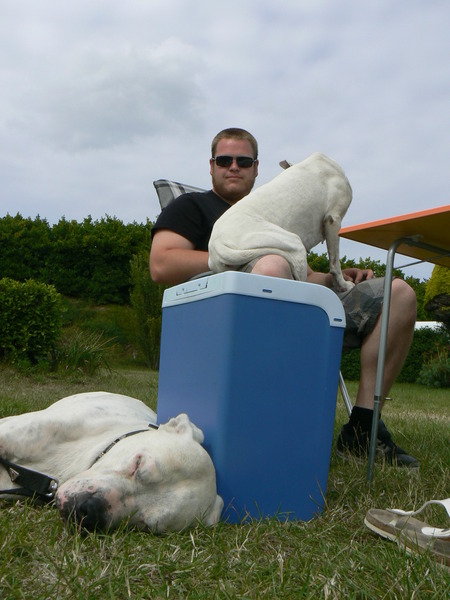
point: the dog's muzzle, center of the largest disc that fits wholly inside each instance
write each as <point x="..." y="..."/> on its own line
<point x="86" y="510"/>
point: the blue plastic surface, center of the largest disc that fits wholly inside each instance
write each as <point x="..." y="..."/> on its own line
<point x="259" y="376"/>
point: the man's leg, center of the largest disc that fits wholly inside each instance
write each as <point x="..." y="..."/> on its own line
<point x="355" y="435"/>
<point x="402" y="316"/>
<point x="272" y="265"/>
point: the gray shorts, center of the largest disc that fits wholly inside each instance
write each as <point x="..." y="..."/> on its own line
<point x="362" y="305"/>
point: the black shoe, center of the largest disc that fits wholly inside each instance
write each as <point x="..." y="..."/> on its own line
<point x="393" y="454"/>
<point x="355" y="442"/>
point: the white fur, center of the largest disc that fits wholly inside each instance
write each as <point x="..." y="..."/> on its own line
<point x="158" y="480"/>
<point x="288" y="216"/>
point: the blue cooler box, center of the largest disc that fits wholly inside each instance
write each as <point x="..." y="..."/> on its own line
<point x="254" y="362"/>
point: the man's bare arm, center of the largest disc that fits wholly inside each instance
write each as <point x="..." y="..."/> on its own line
<point x="173" y="258"/>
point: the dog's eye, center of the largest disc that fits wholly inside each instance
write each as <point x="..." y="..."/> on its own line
<point x="134" y="468"/>
<point x="148" y="471"/>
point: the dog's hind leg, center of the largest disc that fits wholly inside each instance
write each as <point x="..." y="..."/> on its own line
<point x="332" y="225"/>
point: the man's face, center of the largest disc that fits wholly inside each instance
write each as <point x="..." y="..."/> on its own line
<point x="233" y="183"/>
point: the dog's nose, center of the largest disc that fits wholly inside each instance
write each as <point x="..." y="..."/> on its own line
<point x="86" y="510"/>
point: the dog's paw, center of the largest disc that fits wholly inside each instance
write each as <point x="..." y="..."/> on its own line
<point x="348" y="285"/>
<point x="343" y="286"/>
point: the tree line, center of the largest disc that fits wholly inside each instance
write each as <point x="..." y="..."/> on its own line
<point x="88" y="259"/>
<point x="102" y="262"/>
<point x="91" y="259"/>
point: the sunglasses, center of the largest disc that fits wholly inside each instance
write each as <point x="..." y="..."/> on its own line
<point x="244" y="162"/>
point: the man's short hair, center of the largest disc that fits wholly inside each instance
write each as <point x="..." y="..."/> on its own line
<point x="237" y="134"/>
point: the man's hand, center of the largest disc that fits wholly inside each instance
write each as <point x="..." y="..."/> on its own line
<point x="357" y="275"/>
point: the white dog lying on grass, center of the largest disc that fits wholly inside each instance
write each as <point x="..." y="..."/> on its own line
<point x="288" y="216"/>
<point x="112" y="462"/>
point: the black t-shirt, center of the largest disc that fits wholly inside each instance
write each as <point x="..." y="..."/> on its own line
<point x="192" y="216"/>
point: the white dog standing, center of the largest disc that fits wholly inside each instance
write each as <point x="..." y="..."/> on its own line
<point x="113" y="464"/>
<point x="288" y="216"/>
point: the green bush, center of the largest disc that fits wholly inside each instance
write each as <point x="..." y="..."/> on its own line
<point x="437" y="294"/>
<point x="30" y="320"/>
<point x="24" y="247"/>
<point x="115" y="322"/>
<point x="350" y="367"/>
<point x="426" y="342"/>
<point x="438" y="284"/>
<point x="89" y="260"/>
<point x="83" y="353"/>
<point x="435" y="371"/>
<point x="146" y="302"/>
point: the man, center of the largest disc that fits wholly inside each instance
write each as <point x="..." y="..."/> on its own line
<point x="180" y="251"/>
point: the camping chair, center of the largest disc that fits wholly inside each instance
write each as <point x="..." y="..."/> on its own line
<point x="168" y="191"/>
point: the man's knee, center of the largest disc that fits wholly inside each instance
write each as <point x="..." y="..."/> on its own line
<point x="404" y="292"/>
<point x="273" y="265"/>
<point x="404" y="302"/>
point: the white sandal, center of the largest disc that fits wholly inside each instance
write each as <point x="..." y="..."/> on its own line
<point x="409" y="533"/>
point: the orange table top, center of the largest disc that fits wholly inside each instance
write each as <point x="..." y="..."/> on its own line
<point x="433" y="227"/>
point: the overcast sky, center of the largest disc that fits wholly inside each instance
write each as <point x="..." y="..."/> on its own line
<point x="101" y="97"/>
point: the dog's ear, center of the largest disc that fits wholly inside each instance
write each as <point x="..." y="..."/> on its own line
<point x="284" y="164"/>
<point x="181" y="424"/>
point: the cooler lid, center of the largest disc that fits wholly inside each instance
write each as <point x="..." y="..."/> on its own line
<point x="258" y="286"/>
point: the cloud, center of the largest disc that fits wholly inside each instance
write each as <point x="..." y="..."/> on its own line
<point x="103" y="98"/>
<point x="100" y="98"/>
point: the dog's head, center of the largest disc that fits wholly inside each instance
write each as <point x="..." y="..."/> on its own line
<point x="160" y="480"/>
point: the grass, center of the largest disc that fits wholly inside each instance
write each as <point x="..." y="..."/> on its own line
<point x="333" y="556"/>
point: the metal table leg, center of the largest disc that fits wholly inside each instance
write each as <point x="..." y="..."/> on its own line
<point x="410" y="241"/>
<point x="381" y="357"/>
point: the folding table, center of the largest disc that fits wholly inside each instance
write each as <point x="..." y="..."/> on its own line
<point x="423" y="235"/>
